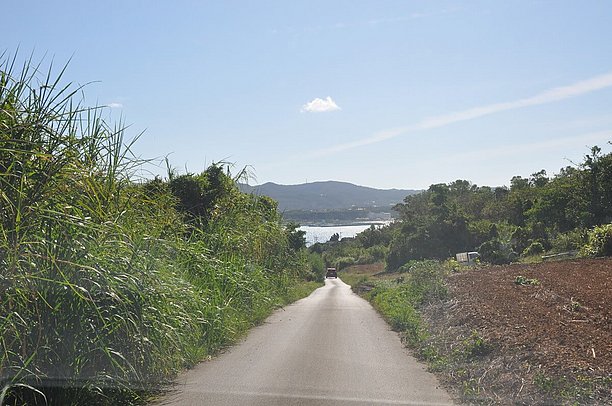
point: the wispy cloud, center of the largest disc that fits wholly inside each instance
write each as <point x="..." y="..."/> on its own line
<point x="115" y="105"/>
<point x="340" y="25"/>
<point x="320" y="106"/>
<point x="548" y="96"/>
<point x="580" y="142"/>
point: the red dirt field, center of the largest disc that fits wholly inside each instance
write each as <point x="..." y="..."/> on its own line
<point x="552" y="337"/>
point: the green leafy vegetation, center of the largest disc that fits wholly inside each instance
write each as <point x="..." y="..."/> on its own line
<point x="576" y="390"/>
<point x="533" y="215"/>
<point x="368" y="247"/>
<point x="522" y="280"/>
<point x="566" y="214"/>
<point x="599" y="242"/>
<point x="110" y="285"/>
<point x="317" y="266"/>
<point x="398" y="300"/>
<point x="476" y="346"/>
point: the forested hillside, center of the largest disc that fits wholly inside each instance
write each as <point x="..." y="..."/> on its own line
<point x="328" y="195"/>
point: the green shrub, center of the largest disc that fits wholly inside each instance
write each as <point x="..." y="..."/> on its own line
<point x="599" y="242"/>
<point x="377" y="252"/>
<point x="344" y="262"/>
<point x="415" y="265"/>
<point x="317" y="266"/>
<point x="495" y="252"/>
<point x="535" y="248"/>
<point x="365" y="258"/>
<point x="570" y="241"/>
<point x="399" y="300"/>
<point x="476" y="346"/>
<point x="521" y="280"/>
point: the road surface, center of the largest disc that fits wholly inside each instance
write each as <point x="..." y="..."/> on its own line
<point x="330" y="348"/>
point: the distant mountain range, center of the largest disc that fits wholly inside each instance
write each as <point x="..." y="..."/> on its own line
<point x="328" y="195"/>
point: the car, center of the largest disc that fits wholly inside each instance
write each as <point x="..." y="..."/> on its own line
<point x="331" y="273"/>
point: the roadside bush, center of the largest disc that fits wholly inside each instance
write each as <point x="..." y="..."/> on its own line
<point x="427" y="281"/>
<point x="570" y="241"/>
<point x="397" y="306"/>
<point x="317" y="266"/>
<point x="496" y="253"/>
<point x="399" y="302"/>
<point x="417" y="265"/>
<point x="535" y="248"/>
<point x="365" y="258"/>
<point x="344" y="262"/>
<point x="599" y="243"/>
<point x="346" y="248"/>
<point x="377" y="252"/>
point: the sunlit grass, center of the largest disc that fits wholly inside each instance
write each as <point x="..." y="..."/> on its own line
<point x="105" y="290"/>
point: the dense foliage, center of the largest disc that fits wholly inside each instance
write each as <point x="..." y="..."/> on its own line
<point x="532" y="216"/>
<point x="368" y="247"/>
<point x="599" y="242"/>
<point x="108" y="285"/>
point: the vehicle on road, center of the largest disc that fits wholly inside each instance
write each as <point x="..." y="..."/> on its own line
<point x="331" y="273"/>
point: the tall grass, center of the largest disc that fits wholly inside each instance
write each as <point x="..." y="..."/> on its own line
<point x="106" y="289"/>
<point x="399" y="300"/>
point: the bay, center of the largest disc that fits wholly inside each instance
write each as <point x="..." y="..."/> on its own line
<point x="315" y="234"/>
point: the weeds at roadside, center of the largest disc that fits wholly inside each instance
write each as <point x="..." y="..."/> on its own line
<point x="398" y="300"/>
<point x="522" y="280"/>
<point x="574" y="306"/>
<point x="578" y="390"/>
<point x="476" y="346"/>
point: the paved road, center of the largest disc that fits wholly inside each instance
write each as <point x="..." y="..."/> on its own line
<point x="331" y="348"/>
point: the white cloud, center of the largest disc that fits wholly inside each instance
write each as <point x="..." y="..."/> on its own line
<point x="548" y="96"/>
<point x="115" y="105"/>
<point x="320" y="106"/>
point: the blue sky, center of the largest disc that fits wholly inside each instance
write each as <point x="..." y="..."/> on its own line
<point x="379" y="93"/>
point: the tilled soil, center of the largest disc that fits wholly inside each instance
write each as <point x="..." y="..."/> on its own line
<point x="545" y="342"/>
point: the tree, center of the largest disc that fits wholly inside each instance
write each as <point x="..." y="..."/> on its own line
<point x="374" y="236"/>
<point x="297" y="238"/>
<point x="598" y="182"/>
<point x="198" y="194"/>
<point x="538" y="179"/>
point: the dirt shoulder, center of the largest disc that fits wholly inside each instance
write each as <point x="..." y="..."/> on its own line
<point x="524" y="334"/>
